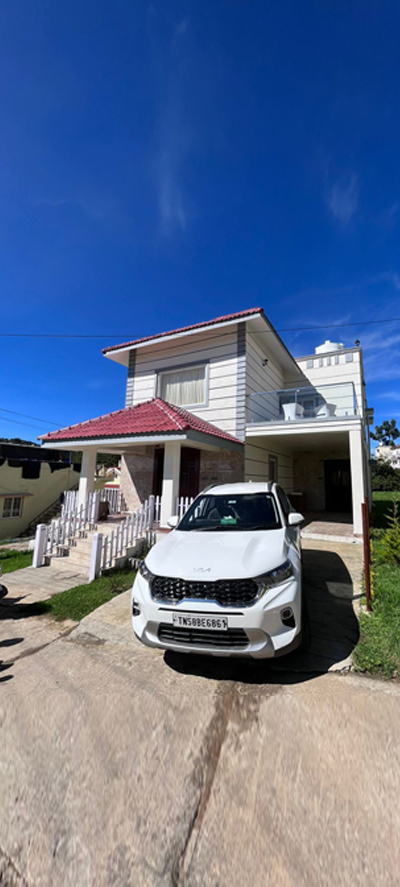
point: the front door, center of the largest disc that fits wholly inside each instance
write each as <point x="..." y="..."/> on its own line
<point x="337" y="485"/>
<point x="190" y="472"/>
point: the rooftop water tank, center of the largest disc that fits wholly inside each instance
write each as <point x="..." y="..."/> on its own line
<point x="329" y="346"/>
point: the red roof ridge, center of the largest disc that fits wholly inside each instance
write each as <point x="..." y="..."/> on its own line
<point x="162" y="404"/>
<point x="225" y="318"/>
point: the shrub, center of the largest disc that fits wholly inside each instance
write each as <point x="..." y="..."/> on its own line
<point x="391" y="539"/>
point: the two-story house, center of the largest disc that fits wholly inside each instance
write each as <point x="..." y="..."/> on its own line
<point x="224" y="400"/>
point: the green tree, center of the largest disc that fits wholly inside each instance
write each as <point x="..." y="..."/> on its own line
<point x="386" y="433"/>
<point x="384" y="476"/>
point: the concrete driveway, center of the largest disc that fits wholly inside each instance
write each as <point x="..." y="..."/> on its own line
<point x="124" y="766"/>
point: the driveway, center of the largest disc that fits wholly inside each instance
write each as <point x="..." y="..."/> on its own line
<point x="124" y="766"/>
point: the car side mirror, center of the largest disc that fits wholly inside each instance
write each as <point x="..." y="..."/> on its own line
<point x="295" y="518"/>
<point x="173" y="521"/>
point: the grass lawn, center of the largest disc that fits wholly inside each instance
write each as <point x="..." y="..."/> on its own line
<point x="83" y="599"/>
<point x="14" y="560"/>
<point x="381" y="507"/>
<point x="378" y="650"/>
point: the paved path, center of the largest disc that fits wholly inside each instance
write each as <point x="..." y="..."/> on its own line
<point x="121" y="766"/>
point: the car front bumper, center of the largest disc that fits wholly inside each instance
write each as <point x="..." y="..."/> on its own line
<point x="262" y="624"/>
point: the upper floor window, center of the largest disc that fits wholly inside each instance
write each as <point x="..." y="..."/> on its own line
<point x="349" y="357"/>
<point x="310" y="364"/>
<point x="12" y="506"/>
<point x="186" y="387"/>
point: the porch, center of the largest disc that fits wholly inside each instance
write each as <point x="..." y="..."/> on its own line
<point x="323" y="467"/>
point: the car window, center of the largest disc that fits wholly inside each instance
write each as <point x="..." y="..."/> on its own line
<point x="247" y="511"/>
<point x="284" y="502"/>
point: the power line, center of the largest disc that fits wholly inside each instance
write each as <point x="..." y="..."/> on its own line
<point x="25" y="416"/>
<point x="16" y="422"/>
<point x="288" y="329"/>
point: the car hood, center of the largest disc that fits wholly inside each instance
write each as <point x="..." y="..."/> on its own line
<point x="210" y="556"/>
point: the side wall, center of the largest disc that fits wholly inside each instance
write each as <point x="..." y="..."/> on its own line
<point x="38" y="494"/>
<point x="258" y="452"/>
<point x="268" y="378"/>
<point x="220" y="349"/>
<point x="309" y="475"/>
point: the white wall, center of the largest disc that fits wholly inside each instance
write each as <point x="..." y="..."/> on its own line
<point x="334" y="374"/>
<point x="218" y="347"/>
<point x="257" y="462"/>
<point x="259" y="378"/>
<point x="43" y="492"/>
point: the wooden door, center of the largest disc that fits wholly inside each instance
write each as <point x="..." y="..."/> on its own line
<point x="190" y="472"/>
<point x="337" y="485"/>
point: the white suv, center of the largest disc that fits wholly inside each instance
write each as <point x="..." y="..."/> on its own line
<point x="227" y="580"/>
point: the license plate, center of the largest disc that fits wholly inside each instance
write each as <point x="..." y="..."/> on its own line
<point x="210" y="623"/>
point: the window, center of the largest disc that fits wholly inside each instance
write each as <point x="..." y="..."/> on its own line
<point x="284" y="501"/>
<point x="349" y="357"/>
<point x="328" y="361"/>
<point x="336" y="358"/>
<point x="12" y="506"/>
<point x="230" y="513"/>
<point x="310" y="364"/>
<point x="321" y="362"/>
<point x="185" y="387"/>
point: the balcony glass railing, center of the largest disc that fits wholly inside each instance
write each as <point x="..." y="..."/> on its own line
<point x="302" y="404"/>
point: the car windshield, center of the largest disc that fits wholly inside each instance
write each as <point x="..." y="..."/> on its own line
<point x="245" y="511"/>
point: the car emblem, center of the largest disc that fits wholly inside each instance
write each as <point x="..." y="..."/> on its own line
<point x="202" y="569"/>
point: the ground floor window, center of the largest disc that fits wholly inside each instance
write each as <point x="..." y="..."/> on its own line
<point x="12" y="506"/>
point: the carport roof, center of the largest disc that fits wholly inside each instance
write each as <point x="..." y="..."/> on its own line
<point x="154" y="417"/>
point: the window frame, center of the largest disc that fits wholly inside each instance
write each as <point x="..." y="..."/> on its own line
<point x="12" y="516"/>
<point x="182" y="368"/>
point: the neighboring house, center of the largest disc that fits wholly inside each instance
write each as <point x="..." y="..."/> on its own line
<point x="389" y="454"/>
<point x="224" y="400"/>
<point x="31" y="481"/>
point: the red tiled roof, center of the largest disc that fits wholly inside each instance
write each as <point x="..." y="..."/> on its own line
<point x="152" y="417"/>
<point x="185" y="329"/>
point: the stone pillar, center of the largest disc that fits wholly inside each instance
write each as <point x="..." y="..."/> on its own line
<point x="170" y="486"/>
<point x="358" y="479"/>
<point x="86" y="482"/>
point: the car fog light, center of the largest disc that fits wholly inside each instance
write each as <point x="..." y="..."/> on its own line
<point x="135" y="608"/>
<point x="287" y="617"/>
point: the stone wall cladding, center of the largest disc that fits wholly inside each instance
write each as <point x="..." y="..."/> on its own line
<point x="137" y="476"/>
<point x="223" y="467"/>
<point x="309" y="475"/>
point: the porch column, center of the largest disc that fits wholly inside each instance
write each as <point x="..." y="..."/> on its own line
<point x="86" y="481"/>
<point x="358" y="478"/>
<point x="170" y="484"/>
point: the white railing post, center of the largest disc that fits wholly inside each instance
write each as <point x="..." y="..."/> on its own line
<point x="39" y="550"/>
<point x="95" y="559"/>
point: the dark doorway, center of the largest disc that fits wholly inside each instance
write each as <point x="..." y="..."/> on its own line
<point x="337" y="485"/>
<point x="158" y="471"/>
<point x="190" y="472"/>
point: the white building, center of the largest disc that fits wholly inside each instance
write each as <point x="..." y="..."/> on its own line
<point x="388" y="454"/>
<point x="224" y="400"/>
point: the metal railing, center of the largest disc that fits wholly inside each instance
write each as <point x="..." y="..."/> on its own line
<point x="313" y="403"/>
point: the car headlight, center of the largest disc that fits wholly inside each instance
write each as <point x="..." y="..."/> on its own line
<point x="274" y="577"/>
<point x="145" y="572"/>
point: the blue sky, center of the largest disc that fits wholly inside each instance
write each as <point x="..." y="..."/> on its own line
<point x="164" y="163"/>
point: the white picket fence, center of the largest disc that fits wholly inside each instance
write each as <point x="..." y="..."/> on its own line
<point x="182" y="505"/>
<point x="75" y="522"/>
<point x="108" y="548"/>
<point x="115" y="499"/>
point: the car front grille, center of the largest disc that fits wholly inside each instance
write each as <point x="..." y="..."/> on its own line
<point x="226" y="592"/>
<point x="197" y="637"/>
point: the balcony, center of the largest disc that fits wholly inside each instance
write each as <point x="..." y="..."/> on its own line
<point x="308" y="404"/>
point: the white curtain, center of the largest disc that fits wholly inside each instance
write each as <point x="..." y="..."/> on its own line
<point x="184" y="386"/>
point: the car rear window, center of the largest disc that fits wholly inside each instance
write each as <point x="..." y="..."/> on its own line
<point x="227" y="513"/>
